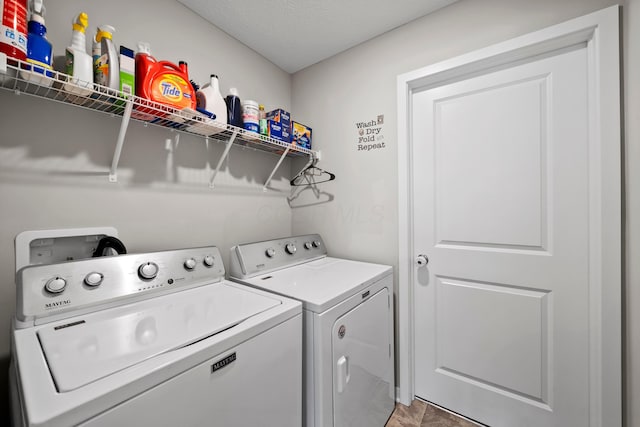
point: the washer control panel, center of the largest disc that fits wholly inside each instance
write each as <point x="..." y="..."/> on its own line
<point x="252" y="259"/>
<point x="51" y="289"/>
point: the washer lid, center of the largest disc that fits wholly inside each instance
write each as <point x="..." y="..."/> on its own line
<point x="90" y="347"/>
<point x="322" y="283"/>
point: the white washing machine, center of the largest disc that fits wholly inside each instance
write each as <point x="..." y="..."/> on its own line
<point x="153" y="339"/>
<point x="348" y="326"/>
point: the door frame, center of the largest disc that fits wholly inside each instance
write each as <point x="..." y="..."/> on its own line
<point x="599" y="31"/>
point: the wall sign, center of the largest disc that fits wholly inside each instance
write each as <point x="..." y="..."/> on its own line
<point x="371" y="134"/>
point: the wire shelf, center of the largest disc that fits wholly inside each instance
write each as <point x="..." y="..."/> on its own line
<point x="24" y="78"/>
<point x="56" y="86"/>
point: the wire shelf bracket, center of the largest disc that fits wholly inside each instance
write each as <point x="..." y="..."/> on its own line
<point x="228" y="144"/>
<point x="113" y="173"/>
<point x="273" y="172"/>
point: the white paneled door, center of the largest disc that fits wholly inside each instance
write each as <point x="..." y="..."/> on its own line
<point x="501" y="210"/>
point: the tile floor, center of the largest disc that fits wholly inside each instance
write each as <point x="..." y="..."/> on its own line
<point x="421" y="414"/>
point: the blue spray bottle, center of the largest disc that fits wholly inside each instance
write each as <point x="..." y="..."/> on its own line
<point x="39" y="49"/>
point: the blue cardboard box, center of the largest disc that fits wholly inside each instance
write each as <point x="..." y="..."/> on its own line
<point x="279" y="125"/>
<point x="280" y="116"/>
<point x="279" y="132"/>
<point x="301" y="135"/>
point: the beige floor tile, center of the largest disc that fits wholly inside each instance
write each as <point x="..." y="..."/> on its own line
<point x="436" y="417"/>
<point x="407" y="416"/>
<point x="421" y="414"/>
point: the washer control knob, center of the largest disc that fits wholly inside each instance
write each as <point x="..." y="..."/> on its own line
<point x="316" y="243"/>
<point x="55" y="285"/>
<point x="308" y="245"/>
<point x="270" y="252"/>
<point x="290" y="248"/>
<point x="148" y="270"/>
<point x="208" y="261"/>
<point x="190" y="264"/>
<point x="93" y="279"/>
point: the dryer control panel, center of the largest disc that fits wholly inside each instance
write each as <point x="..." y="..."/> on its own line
<point x="253" y="259"/>
<point x="52" y="291"/>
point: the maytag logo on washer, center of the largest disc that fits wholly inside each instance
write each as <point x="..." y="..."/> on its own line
<point x="223" y="362"/>
<point x="56" y="304"/>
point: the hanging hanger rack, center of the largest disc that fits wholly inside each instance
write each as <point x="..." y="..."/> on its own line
<point x="311" y="174"/>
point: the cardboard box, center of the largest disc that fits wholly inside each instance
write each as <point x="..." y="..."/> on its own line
<point x="277" y="131"/>
<point x="127" y="71"/>
<point x="279" y="125"/>
<point x="280" y="116"/>
<point x="301" y="135"/>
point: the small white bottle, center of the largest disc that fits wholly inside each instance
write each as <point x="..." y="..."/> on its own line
<point x="79" y="64"/>
<point x="210" y="99"/>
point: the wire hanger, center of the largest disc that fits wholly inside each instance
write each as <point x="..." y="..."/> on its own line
<point x="311" y="174"/>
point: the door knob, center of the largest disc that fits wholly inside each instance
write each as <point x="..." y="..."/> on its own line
<point x="422" y="260"/>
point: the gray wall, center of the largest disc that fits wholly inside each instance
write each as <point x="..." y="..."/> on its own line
<point x="54" y="158"/>
<point x="358" y="85"/>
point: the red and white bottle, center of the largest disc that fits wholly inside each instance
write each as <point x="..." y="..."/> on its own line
<point x="13" y="28"/>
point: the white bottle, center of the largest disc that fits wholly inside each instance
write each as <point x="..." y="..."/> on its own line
<point x="210" y="99"/>
<point x="106" y="68"/>
<point x="79" y="64"/>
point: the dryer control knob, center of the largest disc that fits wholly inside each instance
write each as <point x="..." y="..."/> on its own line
<point x="316" y="243"/>
<point x="55" y="285"/>
<point x="93" y="279"/>
<point x="190" y="264"/>
<point x="290" y="248"/>
<point x="308" y="245"/>
<point x="148" y="270"/>
<point x="208" y="261"/>
<point x="270" y="252"/>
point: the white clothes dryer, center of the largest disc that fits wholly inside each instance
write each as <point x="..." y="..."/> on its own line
<point x="348" y="326"/>
<point x="153" y="339"/>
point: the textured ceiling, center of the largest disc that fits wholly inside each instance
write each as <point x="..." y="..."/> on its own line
<point x="294" y="34"/>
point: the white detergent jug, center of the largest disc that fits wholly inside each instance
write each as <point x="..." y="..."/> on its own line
<point x="210" y="99"/>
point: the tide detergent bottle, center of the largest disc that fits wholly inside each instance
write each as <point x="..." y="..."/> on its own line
<point x="162" y="81"/>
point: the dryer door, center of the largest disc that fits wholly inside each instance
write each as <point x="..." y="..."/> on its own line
<point x="363" y="389"/>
